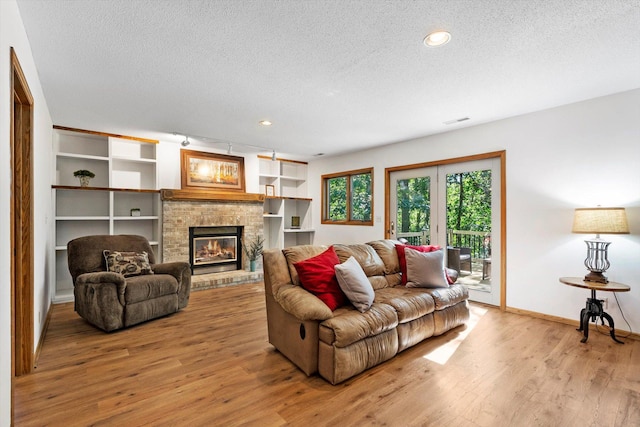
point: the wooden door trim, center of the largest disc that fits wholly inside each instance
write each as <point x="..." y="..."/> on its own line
<point x="502" y="155"/>
<point x="22" y="328"/>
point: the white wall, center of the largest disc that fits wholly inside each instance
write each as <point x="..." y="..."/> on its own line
<point x="12" y="35"/>
<point x="168" y="154"/>
<point x="579" y="155"/>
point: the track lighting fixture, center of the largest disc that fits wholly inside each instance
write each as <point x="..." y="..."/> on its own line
<point x="199" y="139"/>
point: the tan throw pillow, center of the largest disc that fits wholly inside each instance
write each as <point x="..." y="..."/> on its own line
<point x="425" y="269"/>
<point x="354" y="283"/>
<point x="127" y="263"/>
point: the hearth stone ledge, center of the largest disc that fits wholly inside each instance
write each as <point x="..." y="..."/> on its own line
<point x="200" y="282"/>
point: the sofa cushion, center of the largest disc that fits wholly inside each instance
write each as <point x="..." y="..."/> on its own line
<point x="336" y="364"/>
<point x="349" y="325"/>
<point x="145" y="287"/>
<point x="425" y="269"/>
<point x="451" y="317"/>
<point x="386" y="250"/>
<point x="410" y="303"/>
<point x="447" y="297"/>
<point x="354" y="284"/>
<point x="317" y="275"/>
<point x="394" y="279"/>
<point x="127" y="263"/>
<point x="365" y="255"/>
<point x="295" y="254"/>
<point x="402" y="260"/>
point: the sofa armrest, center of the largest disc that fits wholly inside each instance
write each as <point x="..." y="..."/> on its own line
<point x="302" y="304"/>
<point x="182" y="272"/>
<point x="452" y="274"/>
<point x="105" y="277"/>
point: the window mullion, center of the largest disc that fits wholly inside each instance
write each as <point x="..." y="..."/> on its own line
<point x="349" y="201"/>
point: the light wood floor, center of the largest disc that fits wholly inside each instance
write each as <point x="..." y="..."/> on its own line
<point x="211" y="364"/>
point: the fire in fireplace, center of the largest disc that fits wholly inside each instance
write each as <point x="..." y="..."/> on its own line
<point x="215" y="249"/>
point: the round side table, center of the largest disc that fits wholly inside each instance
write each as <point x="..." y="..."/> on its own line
<point x="594" y="309"/>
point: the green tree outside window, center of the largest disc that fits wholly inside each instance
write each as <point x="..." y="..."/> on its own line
<point x="348" y="198"/>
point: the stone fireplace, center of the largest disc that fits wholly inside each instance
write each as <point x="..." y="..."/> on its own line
<point x="183" y="210"/>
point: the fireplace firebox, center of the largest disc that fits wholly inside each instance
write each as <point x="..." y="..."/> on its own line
<point x="214" y="249"/>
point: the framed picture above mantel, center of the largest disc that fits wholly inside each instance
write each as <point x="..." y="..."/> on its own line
<point x="202" y="170"/>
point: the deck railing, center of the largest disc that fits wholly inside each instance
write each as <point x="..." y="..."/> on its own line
<point x="416" y="238"/>
<point x="478" y="241"/>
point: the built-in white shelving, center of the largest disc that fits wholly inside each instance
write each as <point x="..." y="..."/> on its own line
<point x="126" y="179"/>
<point x="289" y="182"/>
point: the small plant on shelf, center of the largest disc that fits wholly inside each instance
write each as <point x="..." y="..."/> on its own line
<point x="84" y="176"/>
<point x="84" y="172"/>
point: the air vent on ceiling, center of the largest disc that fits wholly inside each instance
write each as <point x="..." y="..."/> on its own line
<point x="450" y="122"/>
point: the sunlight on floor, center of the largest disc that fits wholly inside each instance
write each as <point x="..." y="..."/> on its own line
<point x="442" y="353"/>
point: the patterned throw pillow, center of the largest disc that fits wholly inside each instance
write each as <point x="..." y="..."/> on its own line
<point x="127" y="263"/>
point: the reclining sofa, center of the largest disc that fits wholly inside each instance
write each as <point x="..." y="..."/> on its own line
<point x="342" y="343"/>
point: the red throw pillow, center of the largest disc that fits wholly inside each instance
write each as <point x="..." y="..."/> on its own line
<point x="403" y="260"/>
<point x="318" y="276"/>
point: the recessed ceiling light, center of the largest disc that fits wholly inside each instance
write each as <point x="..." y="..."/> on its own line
<point x="265" y="122"/>
<point x="437" y="38"/>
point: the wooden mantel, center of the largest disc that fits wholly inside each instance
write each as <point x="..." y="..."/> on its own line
<point x="211" y="196"/>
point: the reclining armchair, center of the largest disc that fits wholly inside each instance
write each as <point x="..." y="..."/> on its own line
<point x="116" y="282"/>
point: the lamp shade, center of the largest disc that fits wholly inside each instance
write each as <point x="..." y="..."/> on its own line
<point x="600" y="221"/>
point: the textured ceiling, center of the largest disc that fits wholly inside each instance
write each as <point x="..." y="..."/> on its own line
<point x="333" y="76"/>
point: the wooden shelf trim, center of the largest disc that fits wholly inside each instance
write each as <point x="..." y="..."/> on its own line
<point x="289" y="198"/>
<point x="211" y="196"/>
<point x="92" y="132"/>
<point x="130" y="190"/>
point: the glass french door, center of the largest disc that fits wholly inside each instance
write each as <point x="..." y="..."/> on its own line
<point x="456" y="206"/>
<point x="411" y="195"/>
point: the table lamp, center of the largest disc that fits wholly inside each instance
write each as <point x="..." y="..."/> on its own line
<point x="599" y="221"/>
